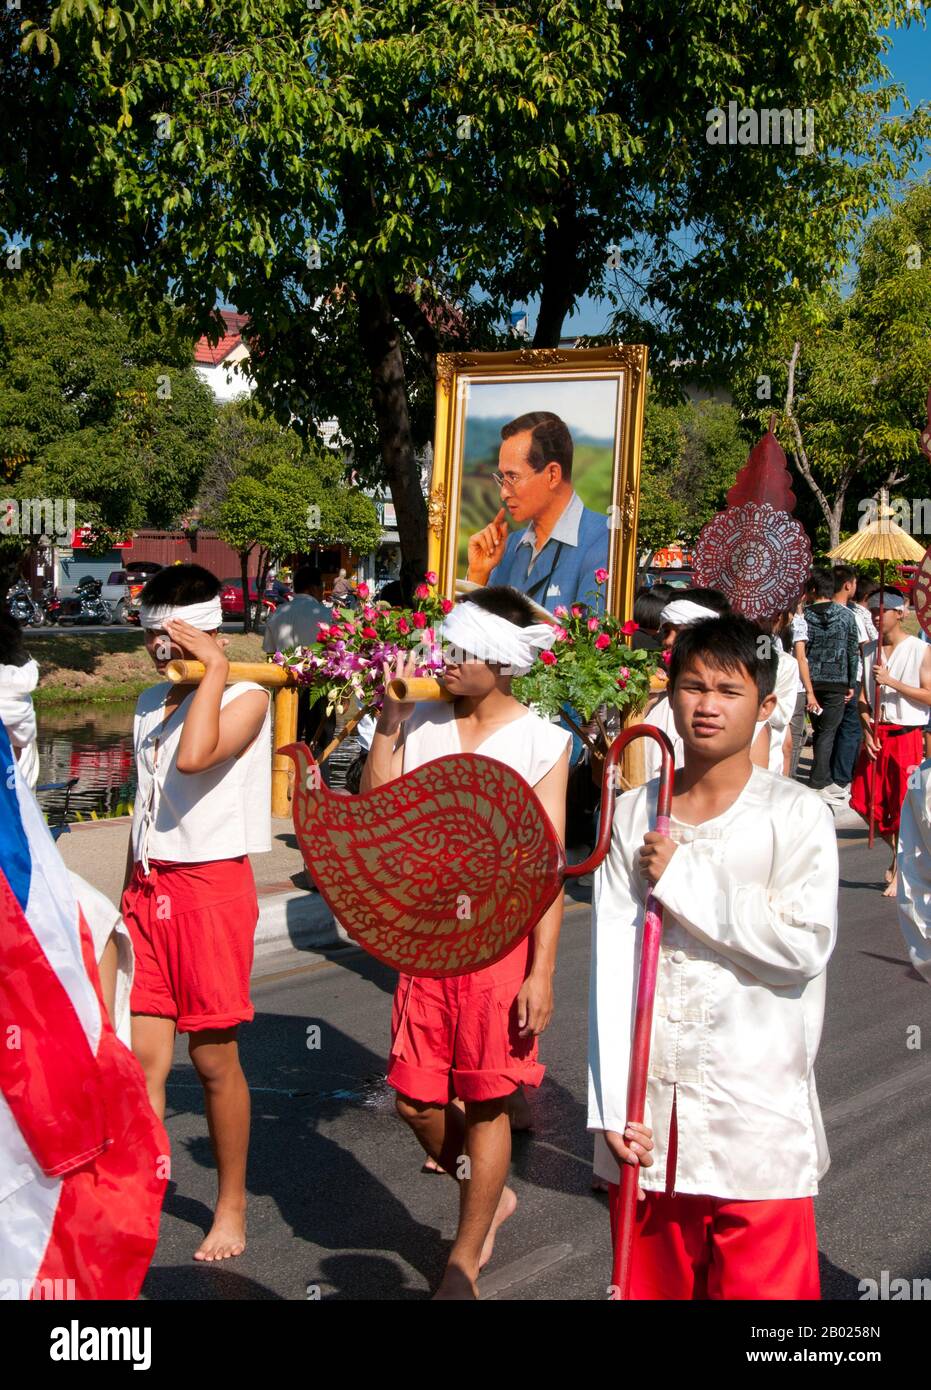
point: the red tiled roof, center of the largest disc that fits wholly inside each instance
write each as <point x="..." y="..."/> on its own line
<point x="209" y="356"/>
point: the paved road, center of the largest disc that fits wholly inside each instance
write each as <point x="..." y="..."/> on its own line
<point x="338" y="1203"/>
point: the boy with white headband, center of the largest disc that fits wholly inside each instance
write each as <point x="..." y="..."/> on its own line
<point x="474" y="1035"/>
<point x="203" y="764"/>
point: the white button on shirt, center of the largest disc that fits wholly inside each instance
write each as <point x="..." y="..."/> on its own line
<point x="750" y="916"/>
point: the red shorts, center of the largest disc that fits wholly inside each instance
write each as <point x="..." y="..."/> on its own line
<point x="193" y="929"/>
<point x="689" y="1247"/>
<point x="458" y="1036"/>
<point x="900" y="752"/>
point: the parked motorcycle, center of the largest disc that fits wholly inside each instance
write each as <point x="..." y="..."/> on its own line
<point x="85" y="605"/>
<point x="23" y="606"/>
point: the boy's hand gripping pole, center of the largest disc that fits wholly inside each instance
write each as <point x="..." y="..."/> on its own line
<point x="646" y="992"/>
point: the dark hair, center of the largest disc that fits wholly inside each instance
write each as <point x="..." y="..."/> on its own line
<point x="12" y="650"/>
<point x="727" y="643"/>
<point x="865" y="587"/>
<point x="393" y="593"/>
<point x="550" y="440"/>
<point x="180" y="584"/>
<point x="842" y="575"/>
<point x="708" y="598"/>
<point x="307" y="577"/>
<point x="820" y="584"/>
<point x="649" y="604"/>
<point x="505" y="602"/>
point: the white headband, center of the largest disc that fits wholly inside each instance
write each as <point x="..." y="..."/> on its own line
<point x="487" y="637"/>
<point x="206" y="616"/>
<point x="683" y="611"/>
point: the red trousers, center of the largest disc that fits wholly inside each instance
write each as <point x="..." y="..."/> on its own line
<point x="692" y="1247"/>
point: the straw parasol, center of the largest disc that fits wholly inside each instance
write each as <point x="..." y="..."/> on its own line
<point x="882" y="539"/>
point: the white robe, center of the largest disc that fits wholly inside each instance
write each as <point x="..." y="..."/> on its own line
<point x="914" y="880"/>
<point x="750" y="918"/>
<point x="19" y="717"/>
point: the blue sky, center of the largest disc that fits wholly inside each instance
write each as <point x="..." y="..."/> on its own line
<point x="909" y="63"/>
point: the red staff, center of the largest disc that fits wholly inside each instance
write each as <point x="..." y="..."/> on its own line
<point x="646" y="987"/>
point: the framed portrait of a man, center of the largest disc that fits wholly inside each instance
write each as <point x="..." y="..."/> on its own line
<point x="536" y="473"/>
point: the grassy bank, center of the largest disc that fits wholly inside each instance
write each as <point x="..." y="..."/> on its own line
<point x="106" y="666"/>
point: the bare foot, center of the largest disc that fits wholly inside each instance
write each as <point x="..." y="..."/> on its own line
<point x="227" y="1235"/>
<point x="519" y="1112"/>
<point x="893" y="885"/>
<point x="890" y="873"/>
<point x="457" y="1285"/>
<point x="507" y="1205"/>
<point x="430" y="1165"/>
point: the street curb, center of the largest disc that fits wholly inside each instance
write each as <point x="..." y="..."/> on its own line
<point x="296" y="919"/>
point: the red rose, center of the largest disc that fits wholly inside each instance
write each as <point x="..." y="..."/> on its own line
<point x="603" y="641"/>
<point x="666" y="657"/>
<point x="548" y="658"/>
<point x="447" y="605"/>
<point x="421" y="591"/>
<point x="363" y="590"/>
<point x="630" y="628"/>
<point x="600" y="576"/>
<point x="403" y="626"/>
<point x="420" y="619"/>
<point x="430" y="577"/>
<point x="576" y="611"/>
<point x="369" y="632"/>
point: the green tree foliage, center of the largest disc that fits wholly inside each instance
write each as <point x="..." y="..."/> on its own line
<point x="852" y="375"/>
<point x="268" y="489"/>
<point x="691" y="456"/>
<point x="97" y="408"/>
<point x="399" y="174"/>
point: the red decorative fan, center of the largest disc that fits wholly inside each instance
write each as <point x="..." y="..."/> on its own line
<point x="755" y="552"/>
<point x="921" y="594"/>
<point x="444" y="870"/>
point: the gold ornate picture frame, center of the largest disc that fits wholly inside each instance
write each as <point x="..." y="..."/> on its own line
<point x="599" y="393"/>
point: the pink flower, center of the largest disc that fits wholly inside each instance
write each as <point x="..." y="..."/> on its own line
<point x="369" y="612"/>
<point x="603" y="641"/>
<point x="548" y="658"/>
<point x="446" y="605"/>
<point x="369" y="632"/>
<point x="323" y="630"/>
<point x="593" y="624"/>
<point x="600" y="576"/>
<point x="404" y="626"/>
<point x="625" y="673"/>
<point x="630" y="628"/>
<point x="576" y="611"/>
<point x="363" y="590"/>
<point x="561" y="635"/>
<point x="560" y="611"/>
<point x="666" y="657"/>
<point x="350" y="627"/>
<point x="419" y="619"/>
<point x="430" y="576"/>
<point x="421" y="591"/>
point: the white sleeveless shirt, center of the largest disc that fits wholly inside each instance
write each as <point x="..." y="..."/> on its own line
<point x="904" y="665"/>
<point x="530" y="745"/>
<point x="194" y="817"/>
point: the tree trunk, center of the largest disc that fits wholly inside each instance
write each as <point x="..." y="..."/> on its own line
<point x="381" y="342"/>
<point x="558" y="288"/>
<point x="244" y="569"/>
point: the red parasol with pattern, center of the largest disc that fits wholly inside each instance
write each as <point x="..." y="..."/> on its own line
<point x="755" y="551"/>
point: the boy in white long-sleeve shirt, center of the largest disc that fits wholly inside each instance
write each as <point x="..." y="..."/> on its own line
<point x="748" y="882"/>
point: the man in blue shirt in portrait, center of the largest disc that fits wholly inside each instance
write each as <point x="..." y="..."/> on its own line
<point x="554" y="559"/>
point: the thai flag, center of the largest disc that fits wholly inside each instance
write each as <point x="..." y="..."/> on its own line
<point x="83" y="1159"/>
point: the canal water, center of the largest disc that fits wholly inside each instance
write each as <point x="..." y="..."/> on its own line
<point x="93" y="743"/>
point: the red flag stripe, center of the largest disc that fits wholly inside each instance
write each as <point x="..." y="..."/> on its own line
<point x="48" y="1074"/>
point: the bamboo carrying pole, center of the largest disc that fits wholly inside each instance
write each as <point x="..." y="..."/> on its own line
<point x="285" y="731"/>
